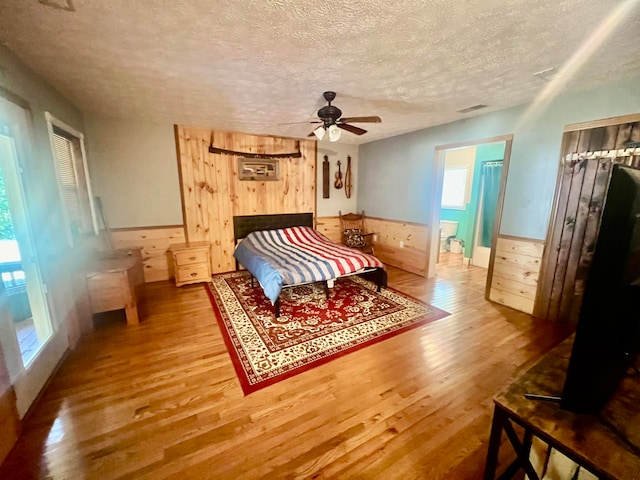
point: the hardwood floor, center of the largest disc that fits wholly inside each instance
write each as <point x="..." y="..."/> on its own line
<point x="161" y="399"/>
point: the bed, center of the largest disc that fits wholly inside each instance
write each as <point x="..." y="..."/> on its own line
<point x="284" y="250"/>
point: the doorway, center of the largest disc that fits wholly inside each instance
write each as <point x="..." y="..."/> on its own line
<point x="468" y="206"/>
<point x="31" y="345"/>
<point x="19" y="272"/>
<point x="478" y="214"/>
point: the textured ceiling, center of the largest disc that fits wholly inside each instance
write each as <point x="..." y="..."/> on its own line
<point x="251" y="65"/>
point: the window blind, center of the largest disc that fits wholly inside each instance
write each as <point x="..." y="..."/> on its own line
<point x="68" y="178"/>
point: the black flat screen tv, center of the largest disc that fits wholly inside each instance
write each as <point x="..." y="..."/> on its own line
<point x="608" y="330"/>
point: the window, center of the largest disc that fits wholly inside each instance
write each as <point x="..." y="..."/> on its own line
<point x="454" y="188"/>
<point x="67" y="146"/>
<point x="458" y="177"/>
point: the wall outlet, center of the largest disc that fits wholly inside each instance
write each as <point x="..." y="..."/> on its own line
<point x="375" y="238"/>
<point x="401" y="244"/>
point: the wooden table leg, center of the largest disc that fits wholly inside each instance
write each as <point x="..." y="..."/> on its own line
<point x="132" y="314"/>
<point x="494" y="444"/>
<point x="522" y="448"/>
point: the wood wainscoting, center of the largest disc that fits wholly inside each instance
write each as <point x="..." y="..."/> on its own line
<point x="330" y="228"/>
<point x="514" y="279"/>
<point x="411" y="257"/>
<point x="391" y="234"/>
<point x="212" y="193"/>
<point x="515" y="273"/>
<point x="155" y="243"/>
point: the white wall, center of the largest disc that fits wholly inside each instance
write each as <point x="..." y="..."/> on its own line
<point x="134" y="168"/>
<point x="19" y="80"/>
<point x="337" y="201"/>
<point x="399" y="173"/>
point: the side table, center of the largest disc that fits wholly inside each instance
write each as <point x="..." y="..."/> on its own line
<point x="191" y="262"/>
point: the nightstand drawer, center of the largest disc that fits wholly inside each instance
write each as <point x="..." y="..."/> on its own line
<point x="195" y="273"/>
<point x="190" y="257"/>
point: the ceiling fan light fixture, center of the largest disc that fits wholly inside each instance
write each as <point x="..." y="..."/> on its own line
<point x="319" y="132"/>
<point x="334" y="133"/>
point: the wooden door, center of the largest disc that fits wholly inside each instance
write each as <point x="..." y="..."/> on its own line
<point x="579" y="200"/>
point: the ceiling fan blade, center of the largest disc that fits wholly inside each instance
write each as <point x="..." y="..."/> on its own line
<point x="351" y="128"/>
<point x="300" y="123"/>
<point x="373" y="119"/>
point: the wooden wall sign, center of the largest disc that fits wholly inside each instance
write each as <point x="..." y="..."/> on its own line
<point x="326" y="187"/>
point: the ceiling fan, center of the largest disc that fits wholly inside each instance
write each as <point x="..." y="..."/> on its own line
<point x="332" y="121"/>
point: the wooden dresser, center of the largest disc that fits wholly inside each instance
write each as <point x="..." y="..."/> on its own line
<point x="191" y="262"/>
<point x="117" y="281"/>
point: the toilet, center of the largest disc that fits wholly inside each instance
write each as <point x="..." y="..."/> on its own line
<point x="448" y="229"/>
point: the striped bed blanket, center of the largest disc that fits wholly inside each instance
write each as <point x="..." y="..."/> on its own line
<point x="295" y="255"/>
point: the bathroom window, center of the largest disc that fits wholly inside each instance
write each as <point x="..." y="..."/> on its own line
<point x="454" y="188"/>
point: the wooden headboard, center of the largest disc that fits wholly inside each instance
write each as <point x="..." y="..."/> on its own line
<point x="243" y="225"/>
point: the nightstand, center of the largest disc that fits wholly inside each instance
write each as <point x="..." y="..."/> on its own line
<point x="191" y="262"/>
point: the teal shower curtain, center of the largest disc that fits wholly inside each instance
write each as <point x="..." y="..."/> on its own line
<point x="491" y="174"/>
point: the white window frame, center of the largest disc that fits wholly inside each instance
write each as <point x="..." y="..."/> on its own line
<point x="51" y="122"/>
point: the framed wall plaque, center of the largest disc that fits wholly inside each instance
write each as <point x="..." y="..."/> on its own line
<point x="258" y="169"/>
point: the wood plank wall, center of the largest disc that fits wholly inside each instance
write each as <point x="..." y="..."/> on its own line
<point x="389" y="233"/>
<point x="212" y="193"/>
<point x="155" y="243"/>
<point x="515" y="272"/>
<point x="588" y="151"/>
<point x="413" y="255"/>
<point x="330" y="228"/>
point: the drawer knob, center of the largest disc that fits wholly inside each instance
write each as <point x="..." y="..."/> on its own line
<point x="192" y="258"/>
<point x="194" y="274"/>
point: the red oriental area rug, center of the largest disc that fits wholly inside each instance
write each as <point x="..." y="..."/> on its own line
<point x="311" y="329"/>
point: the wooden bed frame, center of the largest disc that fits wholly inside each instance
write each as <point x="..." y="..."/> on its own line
<point x="243" y="225"/>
